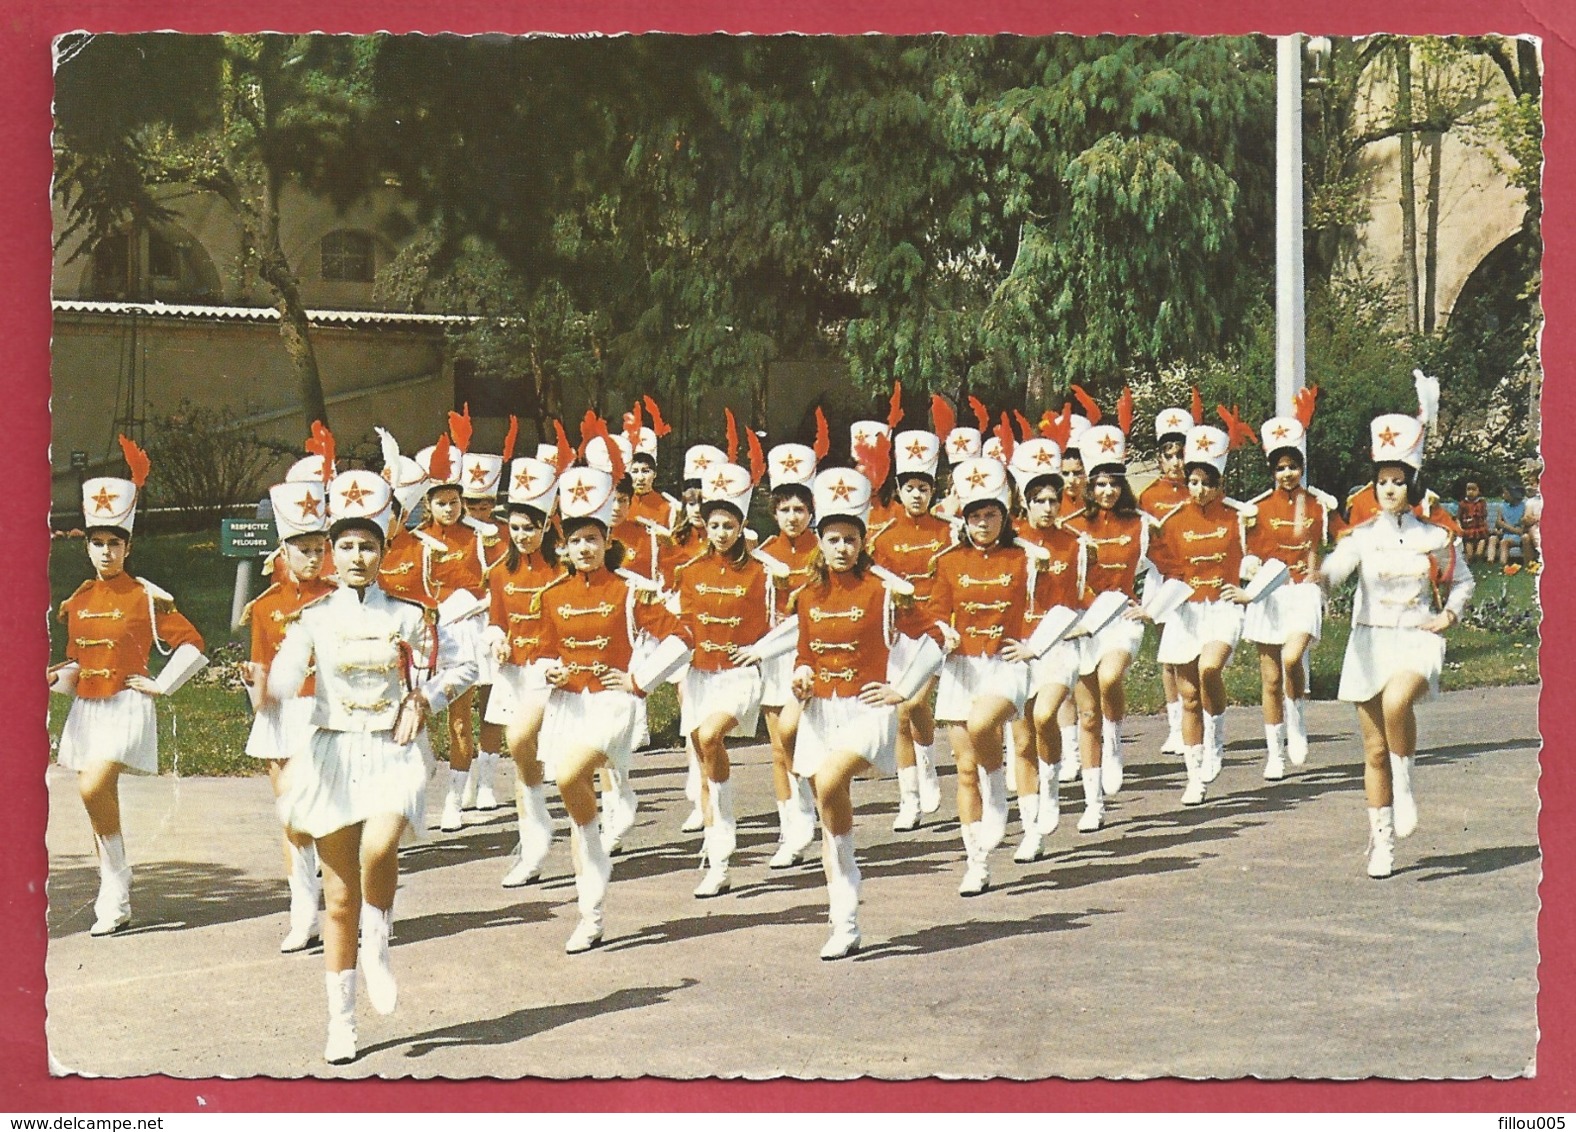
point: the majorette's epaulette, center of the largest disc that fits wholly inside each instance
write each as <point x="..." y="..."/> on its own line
<point x="1263" y="495"/>
<point x="538" y="597"/>
<point x="76" y="593"/>
<point x="479" y="525"/>
<point x="936" y="558"/>
<point x="1326" y="500"/>
<point x="1246" y="510"/>
<point x="1160" y="520"/>
<point x="163" y="600"/>
<point x="688" y="562"/>
<point x="246" y="610"/>
<point x="431" y="542"/>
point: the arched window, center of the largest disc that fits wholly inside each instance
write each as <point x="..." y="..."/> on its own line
<point x="348" y="257"/>
<point x="141" y="264"/>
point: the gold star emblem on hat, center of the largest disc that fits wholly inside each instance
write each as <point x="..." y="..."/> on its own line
<point x="523" y="479"/>
<point x="355" y="493"/>
<point x="842" y="489"/>
<point x="478" y="473"/>
<point x="1108" y="443"/>
<point x="309" y="506"/>
<point x="1281" y="432"/>
<point x="580" y="490"/>
<point x="721" y="482"/>
<point x="917" y="448"/>
<point x="104" y="500"/>
<point x="790" y="462"/>
<point x="702" y="461"/>
<point x="1205" y="444"/>
<point x="1042" y="457"/>
<point x="977" y="478"/>
<point x="961" y="443"/>
<point x="1174" y="421"/>
<point x="1389" y="436"/>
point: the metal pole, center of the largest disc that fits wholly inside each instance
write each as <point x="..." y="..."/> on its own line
<point x="242" y="594"/>
<point x="1289" y="314"/>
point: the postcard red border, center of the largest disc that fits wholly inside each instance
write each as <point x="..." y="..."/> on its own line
<point x="26" y="29"/>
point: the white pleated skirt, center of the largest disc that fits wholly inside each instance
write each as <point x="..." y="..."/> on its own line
<point x="346" y="777"/>
<point x="965" y="678"/>
<point x="517" y="686"/>
<point x="1058" y="668"/>
<point x="1376" y="653"/>
<point x="730" y="691"/>
<point x="777" y="681"/>
<point x="281" y="728"/>
<point x="601" y="721"/>
<point x="1196" y="624"/>
<point x="469" y="632"/>
<point x="1296" y="607"/>
<point x="116" y="729"/>
<point x="1120" y="636"/>
<point x="836" y="725"/>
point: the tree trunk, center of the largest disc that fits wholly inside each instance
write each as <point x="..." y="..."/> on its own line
<point x="1431" y="234"/>
<point x="1403" y="116"/>
<point x="275" y="271"/>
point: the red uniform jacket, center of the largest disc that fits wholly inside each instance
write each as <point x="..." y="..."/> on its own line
<point x="722" y="606"/>
<point x="1202" y="546"/>
<point x="590" y="622"/>
<point x="794" y="554"/>
<point x="1288" y="527"/>
<point x="274" y="610"/>
<point x="845" y="631"/>
<point x="110" y="629"/>
<point x="516" y="607"/>
<point x="1120" y="547"/>
<point x="908" y="547"/>
<point x="983" y="594"/>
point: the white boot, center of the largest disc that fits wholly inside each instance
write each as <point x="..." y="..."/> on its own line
<point x="907" y="799"/>
<point x="304" y="892"/>
<point x="992" y="829"/>
<point x="1094" y="801"/>
<point x="721" y="839"/>
<point x="112" y="908"/>
<point x="341" y="986"/>
<point x="1029" y="812"/>
<point x="1070" y="769"/>
<point x="376" y="927"/>
<point x="593" y="872"/>
<point x="1296" y="731"/>
<point x="451" y="819"/>
<point x="805" y="820"/>
<point x="536" y="834"/>
<point x="1381" y="842"/>
<point x="692" y="778"/>
<point x="1009" y="759"/>
<point x="1214" y="745"/>
<point x="472" y="777"/>
<point x="1050" y="799"/>
<point x="929" y="782"/>
<point x="1193" y="758"/>
<point x="1173" y="744"/>
<point x="1405" y="802"/>
<point x="1274" y="751"/>
<point x="619" y="807"/>
<point x="1111" y="756"/>
<point x="976" y="870"/>
<point x="486" y="773"/>
<point x="842" y="894"/>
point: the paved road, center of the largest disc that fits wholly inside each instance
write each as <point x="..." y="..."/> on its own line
<point x="1241" y="937"/>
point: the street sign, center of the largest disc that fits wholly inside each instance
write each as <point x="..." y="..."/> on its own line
<point x="245" y="538"/>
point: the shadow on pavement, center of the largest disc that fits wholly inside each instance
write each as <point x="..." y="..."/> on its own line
<point x="1447" y="866"/>
<point x="949" y="937"/>
<point x="165" y="896"/>
<point x="695" y="927"/>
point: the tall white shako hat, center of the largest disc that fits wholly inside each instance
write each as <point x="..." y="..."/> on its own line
<point x="1077" y="426"/>
<point x="1034" y="458"/>
<point x="533" y="483"/>
<point x="309" y="468"/>
<point x="407" y="478"/>
<point x="1103" y="448"/>
<point x="841" y="493"/>
<point x="1397" y="439"/>
<point x="108" y="501"/>
<point x="300" y="507"/>
<point x="360" y="496"/>
<point x="991" y="449"/>
<point x="700" y="457"/>
<point x="1172" y="424"/>
<point x="726" y="485"/>
<point x="646" y="444"/>
<point x="963" y="443"/>
<point x="440" y="463"/>
<point x="547" y="453"/>
<point x="598" y="456"/>
<point x="1206" y="444"/>
<point x="586" y="493"/>
<point x="1284" y="432"/>
<point x="865" y="432"/>
<point x="916" y="452"/>
<point x="479" y="475"/>
<point x="981" y="480"/>
<point x="790" y="464"/>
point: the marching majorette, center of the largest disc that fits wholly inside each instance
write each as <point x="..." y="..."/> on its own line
<point x="514" y="634"/>
<point x="361" y="781"/>
<point x="591" y="619"/>
<point x="282" y="728"/>
<point x="1059" y="562"/>
<point x="404" y="569"/>
<point x="113" y="623"/>
<point x="649" y="504"/>
<point x="1290" y="524"/>
<point x="908" y="545"/>
<point x="641" y="540"/>
<point x="1363" y="504"/>
<point x="863" y="435"/>
<point x="978" y="601"/>
<point x="725" y="599"/>
<point x="845" y="621"/>
<point x="1397" y="647"/>
<point x="1064" y="428"/>
<point x="963" y="443"/>
<point x="1200" y="544"/>
<point x="311" y="468"/>
<point x="1158" y="500"/>
<point x="788" y="554"/>
<point x="455" y="563"/>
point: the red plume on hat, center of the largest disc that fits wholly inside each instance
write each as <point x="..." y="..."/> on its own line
<point x="1237" y="430"/>
<point x="1004" y="434"/>
<point x="875" y="456"/>
<point x="1091" y="410"/>
<point x="1124" y="411"/>
<point x="757" y="457"/>
<point x="438" y="467"/>
<point x="633" y="423"/>
<point x="566" y="451"/>
<point x="981" y="414"/>
<point x="1198" y="407"/>
<point x="510" y="437"/>
<point x="593" y="426"/>
<point x="733" y="436"/>
<point x="1304" y="403"/>
<point x="1058" y="428"/>
<point x="1024" y="427"/>
<point x="942" y="418"/>
<point x="823" y="436"/>
<point x="136" y="460"/>
<point x="460" y="428"/>
<point x="321" y="443"/>
<point x="658" y="425"/>
<point x="895" y="406"/>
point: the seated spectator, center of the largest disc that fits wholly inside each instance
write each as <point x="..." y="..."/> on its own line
<point x="1532" y="530"/>
<point x="1472" y="514"/>
<point x="1505" y="519"/>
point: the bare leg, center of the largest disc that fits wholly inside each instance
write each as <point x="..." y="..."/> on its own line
<point x="1271" y="681"/>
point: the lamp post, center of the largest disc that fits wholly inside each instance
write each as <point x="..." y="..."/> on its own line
<point x="1290" y="318"/>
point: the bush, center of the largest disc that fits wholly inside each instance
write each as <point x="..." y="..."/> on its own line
<point x="204" y="465"/>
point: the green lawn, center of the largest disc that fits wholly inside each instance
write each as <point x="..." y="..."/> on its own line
<point x="202" y="729"/>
